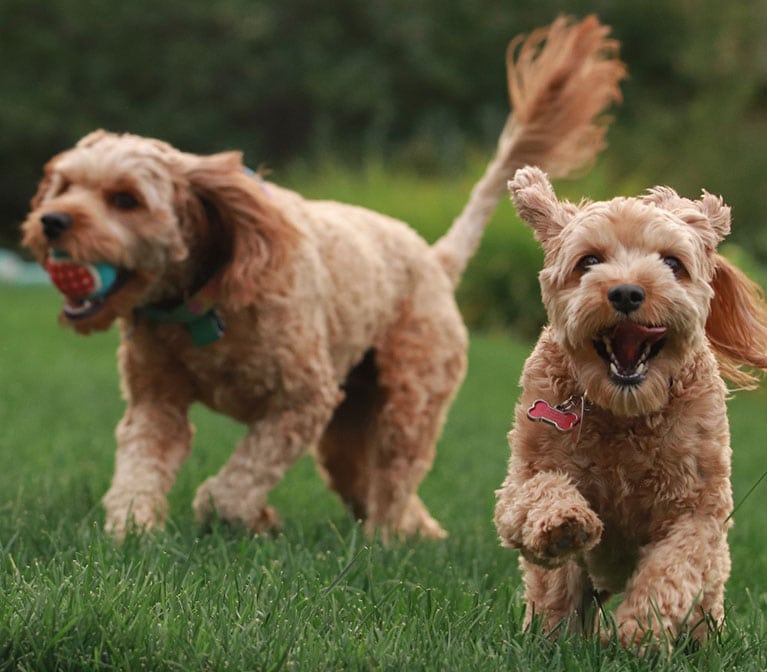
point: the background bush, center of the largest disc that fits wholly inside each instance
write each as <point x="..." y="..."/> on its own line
<point x="416" y="87"/>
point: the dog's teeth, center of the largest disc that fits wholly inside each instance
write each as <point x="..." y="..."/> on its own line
<point x="613" y="369"/>
<point x="79" y="307"/>
<point x="83" y="308"/>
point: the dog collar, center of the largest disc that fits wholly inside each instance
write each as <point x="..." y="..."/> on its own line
<point x="198" y="314"/>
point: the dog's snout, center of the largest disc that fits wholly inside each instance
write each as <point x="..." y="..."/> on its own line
<point x="626" y="298"/>
<point x="55" y="223"/>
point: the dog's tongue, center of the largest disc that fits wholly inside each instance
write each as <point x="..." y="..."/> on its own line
<point x="629" y="340"/>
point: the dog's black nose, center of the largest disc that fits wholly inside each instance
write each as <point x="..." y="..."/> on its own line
<point x="626" y="298"/>
<point x="55" y="223"/>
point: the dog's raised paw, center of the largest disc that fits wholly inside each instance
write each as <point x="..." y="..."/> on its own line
<point x="566" y="538"/>
<point x="553" y="545"/>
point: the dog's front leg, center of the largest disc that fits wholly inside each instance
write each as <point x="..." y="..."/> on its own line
<point x="546" y="518"/>
<point x="153" y="439"/>
<point x="238" y="493"/>
<point x="551" y="523"/>
<point x="559" y="597"/>
<point x="679" y="583"/>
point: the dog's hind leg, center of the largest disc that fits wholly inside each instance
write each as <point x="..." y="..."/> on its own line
<point x="421" y="362"/>
<point x="342" y="453"/>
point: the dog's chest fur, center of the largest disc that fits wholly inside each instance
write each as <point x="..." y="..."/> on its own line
<point x="637" y="473"/>
<point x="625" y="466"/>
<point x="232" y="376"/>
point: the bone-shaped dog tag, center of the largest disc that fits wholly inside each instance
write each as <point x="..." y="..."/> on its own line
<point x="543" y="411"/>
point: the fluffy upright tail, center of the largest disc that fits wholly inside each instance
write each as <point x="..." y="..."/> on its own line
<point x="561" y="78"/>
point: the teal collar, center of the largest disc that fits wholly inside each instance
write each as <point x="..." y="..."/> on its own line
<point x="198" y="314"/>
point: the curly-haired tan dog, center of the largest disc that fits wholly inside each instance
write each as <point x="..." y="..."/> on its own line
<point x="625" y="485"/>
<point x="340" y="329"/>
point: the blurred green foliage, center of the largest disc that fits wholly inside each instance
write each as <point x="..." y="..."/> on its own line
<point x="415" y="87"/>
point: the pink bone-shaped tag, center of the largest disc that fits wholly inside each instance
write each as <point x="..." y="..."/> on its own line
<point x="542" y="411"/>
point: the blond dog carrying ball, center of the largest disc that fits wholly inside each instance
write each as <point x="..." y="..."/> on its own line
<point x="619" y="478"/>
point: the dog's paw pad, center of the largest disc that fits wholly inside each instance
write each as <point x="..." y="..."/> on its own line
<point x="566" y="538"/>
<point x="556" y="543"/>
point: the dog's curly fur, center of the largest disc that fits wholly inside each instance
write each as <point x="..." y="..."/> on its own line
<point x="637" y="499"/>
<point x="342" y="333"/>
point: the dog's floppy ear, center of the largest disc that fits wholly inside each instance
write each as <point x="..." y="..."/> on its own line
<point x="737" y="323"/>
<point x="708" y="215"/>
<point x="537" y="204"/>
<point x="258" y="237"/>
<point x="711" y="217"/>
<point x="717" y="214"/>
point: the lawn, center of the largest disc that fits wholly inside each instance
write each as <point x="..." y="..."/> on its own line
<point x="317" y="596"/>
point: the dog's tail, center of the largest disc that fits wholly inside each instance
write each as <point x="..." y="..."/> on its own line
<point x="561" y="78"/>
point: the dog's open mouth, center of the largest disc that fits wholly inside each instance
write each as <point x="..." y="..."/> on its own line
<point x="627" y="348"/>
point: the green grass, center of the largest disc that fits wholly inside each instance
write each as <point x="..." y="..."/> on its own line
<point x="317" y="596"/>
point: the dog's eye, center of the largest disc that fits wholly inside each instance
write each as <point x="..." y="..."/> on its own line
<point x="587" y="262"/>
<point x="676" y="266"/>
<point x="123" y="200"/>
